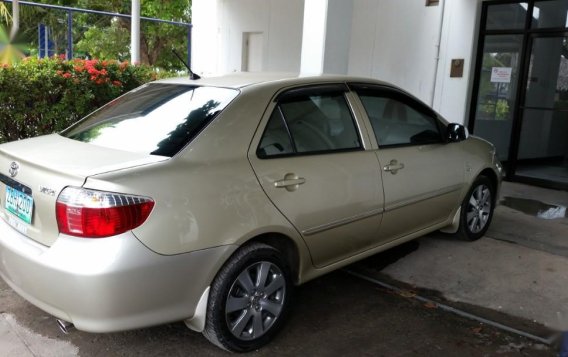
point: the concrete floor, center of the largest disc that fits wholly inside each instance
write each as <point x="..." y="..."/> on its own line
<point x="520" y="267"/>
<point x="336" y="315"/>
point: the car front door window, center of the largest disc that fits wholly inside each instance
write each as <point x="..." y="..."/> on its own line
<point x="396" y="123"/>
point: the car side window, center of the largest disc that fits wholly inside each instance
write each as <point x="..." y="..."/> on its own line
<point x="397" y="122"/>
<point x="304" y="124"/>
<point x="275" y="140"/>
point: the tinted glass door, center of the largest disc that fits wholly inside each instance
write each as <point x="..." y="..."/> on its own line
<point x="543" y="142"/>
<point x="496" y="97"/>
<point x="520" y="95"/>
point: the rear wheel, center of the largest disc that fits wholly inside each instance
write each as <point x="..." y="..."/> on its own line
<point x="477" y="210"/>
<point x="249" y="299"/>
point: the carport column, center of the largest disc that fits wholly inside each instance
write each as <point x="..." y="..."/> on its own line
<point x="326" y="36"/>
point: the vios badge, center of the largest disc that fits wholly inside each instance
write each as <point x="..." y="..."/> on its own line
<point x="14" y="167"/>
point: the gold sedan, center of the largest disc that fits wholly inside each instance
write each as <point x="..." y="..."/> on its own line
<point x="209" y="200"/>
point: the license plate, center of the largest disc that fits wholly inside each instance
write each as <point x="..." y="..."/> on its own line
<point x="20" y="204"/>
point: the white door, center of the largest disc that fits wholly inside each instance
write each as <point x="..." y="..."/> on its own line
<point x="253" y="43"/>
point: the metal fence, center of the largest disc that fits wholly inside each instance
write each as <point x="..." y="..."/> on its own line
<point x="56" y="31"/>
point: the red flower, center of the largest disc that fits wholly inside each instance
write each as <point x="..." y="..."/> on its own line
<point x="67" y="75"/>
<point x="117" y="83"/>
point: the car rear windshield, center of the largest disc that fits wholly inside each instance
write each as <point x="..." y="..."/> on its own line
<point x="156" y="119"/>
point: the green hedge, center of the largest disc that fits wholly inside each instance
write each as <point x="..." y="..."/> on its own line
<point x="42" y="96"/>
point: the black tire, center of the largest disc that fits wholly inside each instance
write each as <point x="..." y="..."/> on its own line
<point x="477" y="210"/>
<point x="260" y="304"/>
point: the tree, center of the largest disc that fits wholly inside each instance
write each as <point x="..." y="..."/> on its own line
<point x="156" y="39"/>
<point x="107" y="37"/>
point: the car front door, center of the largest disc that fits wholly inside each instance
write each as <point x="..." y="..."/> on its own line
<point x="423" y="176"/>
<point x="310" y="159"/>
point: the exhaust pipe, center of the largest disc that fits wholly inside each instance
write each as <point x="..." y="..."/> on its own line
<point x="64" y="326"/>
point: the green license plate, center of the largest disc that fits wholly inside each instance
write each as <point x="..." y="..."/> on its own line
<point x="20" y="204"/>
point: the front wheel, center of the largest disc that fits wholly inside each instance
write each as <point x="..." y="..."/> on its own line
<point x="477" y="210"/>
<point x="249" y="299"/>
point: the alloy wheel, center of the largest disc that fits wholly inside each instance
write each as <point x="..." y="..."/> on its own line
<point x="479" y="208"/>
<point x="255" y="300"/>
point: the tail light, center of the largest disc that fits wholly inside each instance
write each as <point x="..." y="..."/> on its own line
<point x="96" y="214"/>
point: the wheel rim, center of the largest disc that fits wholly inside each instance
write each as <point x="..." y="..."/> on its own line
<point x="478" y="209"/>
<point x="255" y="300"/>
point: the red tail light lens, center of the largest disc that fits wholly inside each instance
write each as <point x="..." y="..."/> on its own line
<point x="96" y="214"/>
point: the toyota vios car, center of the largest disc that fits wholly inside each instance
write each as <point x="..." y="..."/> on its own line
<point x="209" y="200"/>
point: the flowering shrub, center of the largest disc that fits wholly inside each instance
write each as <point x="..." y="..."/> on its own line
<point x="42" y="96"/>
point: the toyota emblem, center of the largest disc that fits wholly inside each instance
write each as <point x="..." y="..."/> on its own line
<point x="14" y="167"/>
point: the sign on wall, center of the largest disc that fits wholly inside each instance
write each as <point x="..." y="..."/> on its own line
<point x="501" y="74"/>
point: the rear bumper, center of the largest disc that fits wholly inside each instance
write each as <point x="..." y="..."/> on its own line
<point x="109" y="284"/>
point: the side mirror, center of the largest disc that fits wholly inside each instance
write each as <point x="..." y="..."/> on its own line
<point x="456" y="133"/>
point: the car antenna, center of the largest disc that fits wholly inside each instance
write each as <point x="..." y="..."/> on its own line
<point x="192" y="75"/>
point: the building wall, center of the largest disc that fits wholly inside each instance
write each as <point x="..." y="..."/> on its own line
<point x="459" y="41"/>
<point x="393" y="40"/>
<point x="396" y="41"/>
<point x="221" y="24"/>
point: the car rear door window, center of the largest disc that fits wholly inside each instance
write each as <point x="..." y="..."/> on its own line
<point x="398" y="120"/>
<point x="310" y="123"/>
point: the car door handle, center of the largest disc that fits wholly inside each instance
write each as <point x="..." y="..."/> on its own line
<point x="290" y="182"/>
<point x="393" y="167"/>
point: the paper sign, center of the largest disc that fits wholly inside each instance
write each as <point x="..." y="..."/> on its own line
<point x="501" y="74"/>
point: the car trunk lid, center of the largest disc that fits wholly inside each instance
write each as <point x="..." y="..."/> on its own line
<point x="41" y="167"/>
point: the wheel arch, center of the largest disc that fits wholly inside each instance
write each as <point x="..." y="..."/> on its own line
<point x="492" y="176"/>
<point x="284" y="244"/>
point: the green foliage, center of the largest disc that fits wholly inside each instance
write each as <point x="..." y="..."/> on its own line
<point x="4" y="13"/>
<point x="110" y="42"/>
<point x="42" y="96"/>
<point x="496" y="110"/>
<point x="107" y="37"/>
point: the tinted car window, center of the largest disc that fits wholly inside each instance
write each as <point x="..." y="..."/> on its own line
<point x="157" y="119"/>
<point x="276" y="140"/>
<point x="396" y="122"/>
<point x="320" y="123"/>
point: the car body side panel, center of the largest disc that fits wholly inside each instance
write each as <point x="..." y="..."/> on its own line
<point x="207" y="195"/>
<point x="338" y="209"/>
<point x="423" y="193"/>
<point x="110" y="284"/>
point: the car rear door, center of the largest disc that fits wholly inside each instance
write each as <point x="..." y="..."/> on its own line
<point x="423" y="176"/>
<point x="310" y="159"/>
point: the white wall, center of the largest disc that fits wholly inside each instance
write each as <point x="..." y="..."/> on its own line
<point x="205" y="40"/>
<point x="459" y="40"/>
<point x="221" y="23"/>
<point x="396" y="41"/>
<point x="393" y="40"/>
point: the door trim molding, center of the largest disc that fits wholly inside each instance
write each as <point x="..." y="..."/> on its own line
<point x="341" y="222"/>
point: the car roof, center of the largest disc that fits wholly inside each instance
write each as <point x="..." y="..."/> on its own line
<point x="249" y="79"/>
